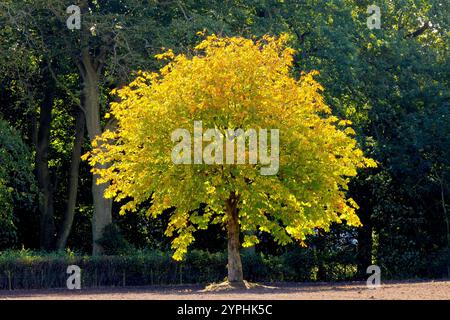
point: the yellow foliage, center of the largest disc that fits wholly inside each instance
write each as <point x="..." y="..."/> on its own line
<point x="231" y="83"/>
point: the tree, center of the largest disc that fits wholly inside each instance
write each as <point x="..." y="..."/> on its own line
<point x="73" y="182"/>
<point x="399" y="76"/>
<point x="231" y="83"/>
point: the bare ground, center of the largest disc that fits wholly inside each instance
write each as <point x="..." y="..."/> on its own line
<point x="404" y="290"/>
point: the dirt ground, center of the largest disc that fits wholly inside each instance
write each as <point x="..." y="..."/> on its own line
<point x="435" y="290"/>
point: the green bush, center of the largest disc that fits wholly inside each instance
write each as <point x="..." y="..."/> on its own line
<point x="113" y="242"/>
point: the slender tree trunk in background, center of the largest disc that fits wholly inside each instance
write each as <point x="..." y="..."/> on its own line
<point x="235" y="274"/>
<point x="91" y="105"/>
<point x="322" y="274"/>
<point x="73" y="181"/>
<point x="46" y="208"/>
<point x="447" y="223"/>
<point x="364" y="255"/>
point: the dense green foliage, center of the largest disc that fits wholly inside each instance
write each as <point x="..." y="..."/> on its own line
<point x="17" y="186"/>
<point x="392" y="83"/>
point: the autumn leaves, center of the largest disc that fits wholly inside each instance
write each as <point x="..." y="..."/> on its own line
<point x="161" y="152"/>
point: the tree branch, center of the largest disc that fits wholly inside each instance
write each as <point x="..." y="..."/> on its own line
<point x="419" y="31"/>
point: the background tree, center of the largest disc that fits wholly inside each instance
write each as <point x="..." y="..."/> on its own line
<point x="385" y="77"/>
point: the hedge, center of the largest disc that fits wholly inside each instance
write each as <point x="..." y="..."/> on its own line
<point x="34" y="270"/>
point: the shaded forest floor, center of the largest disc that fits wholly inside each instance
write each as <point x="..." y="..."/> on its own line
<point x="402" y="290"/>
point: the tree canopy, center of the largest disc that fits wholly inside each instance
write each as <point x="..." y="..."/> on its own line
<point x="231" y="83"/>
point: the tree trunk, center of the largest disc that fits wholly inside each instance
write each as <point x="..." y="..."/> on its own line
<point x="364" y="253"/>
<point x="91" y="106"/>
<point x="235" y="275"/>
<point x="447" y="223"/>
<point x="73" y="181"/>
<point x="46" y="208"/>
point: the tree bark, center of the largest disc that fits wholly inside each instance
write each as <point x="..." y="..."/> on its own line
<point x="364" y="253"/>
<point x="91" y="107"/>
<point x="419" y="31"/>
<point x="66" y="226"/>
<point x="46" y="207"/>
<point x="447" y="222"/>
<point x="235" y="274"/>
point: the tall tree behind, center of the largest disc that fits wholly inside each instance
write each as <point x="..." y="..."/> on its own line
<point x="73" y="182"/>
<point x="46" y="207"/>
